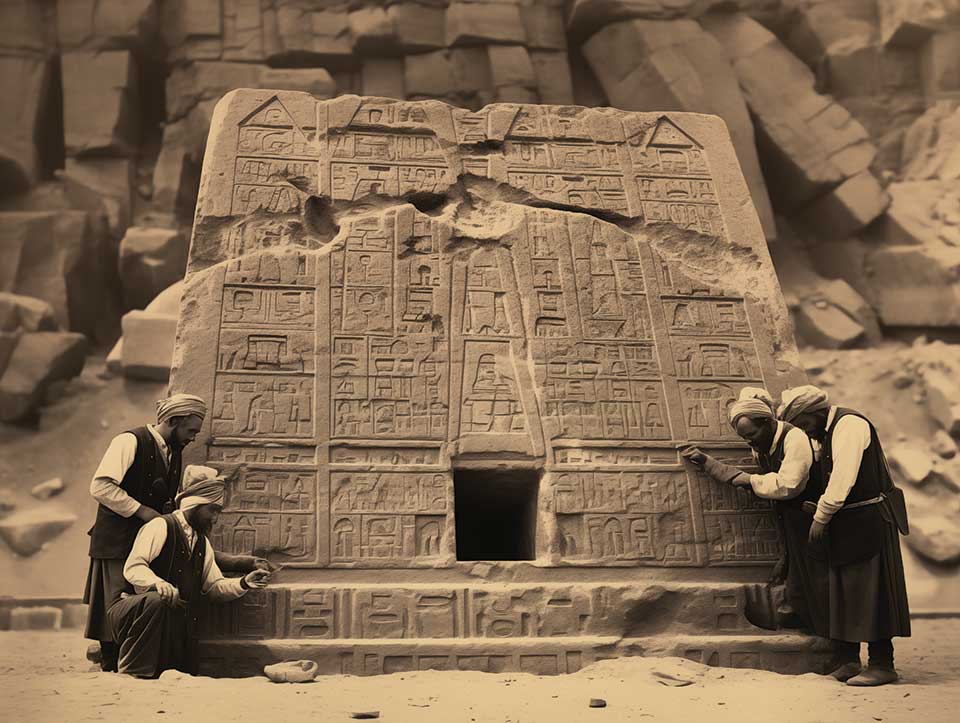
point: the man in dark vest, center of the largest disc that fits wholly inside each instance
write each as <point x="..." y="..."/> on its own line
<point x="857" y="523"/>
<point x="137" y="480"/>
<point x="788" y="476"/>
<point x="172" y="569"/>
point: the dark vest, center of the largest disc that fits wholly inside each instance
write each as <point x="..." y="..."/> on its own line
<point x="857" y="534"/>
<point x="147" y="481"/>
<point x="183" y="569"/>
<point x="772" y="461"/>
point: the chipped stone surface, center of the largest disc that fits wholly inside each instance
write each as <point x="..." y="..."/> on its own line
<point x="389" y="301"/>
<point x="27" y="79"/>
<point x="148" y="344"/>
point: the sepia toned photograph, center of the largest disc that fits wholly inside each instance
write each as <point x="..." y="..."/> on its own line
<point x="480" y="361"/>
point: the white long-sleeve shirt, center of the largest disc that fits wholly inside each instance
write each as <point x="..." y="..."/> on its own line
<point x="794" y="471"/>
<point x="105" y="486"/>
<point x="849" y="440"/>
<point x="148" y="545"/>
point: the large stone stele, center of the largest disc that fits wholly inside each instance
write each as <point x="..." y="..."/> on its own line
<point x="449" y="357"/>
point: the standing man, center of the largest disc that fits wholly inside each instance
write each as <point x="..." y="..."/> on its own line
<point x="788" y="476"/>
<point x="856" y="524"/>
<point x="172" y="568"/>
<point x="137" y="480"/>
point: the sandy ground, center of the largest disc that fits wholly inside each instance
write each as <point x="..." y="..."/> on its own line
<point x="59" y="685"/>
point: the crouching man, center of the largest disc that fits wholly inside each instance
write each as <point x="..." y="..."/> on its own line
<point x="171" y="568"/>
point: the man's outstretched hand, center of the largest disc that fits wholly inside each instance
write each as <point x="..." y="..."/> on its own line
<point x="692" y="454"/>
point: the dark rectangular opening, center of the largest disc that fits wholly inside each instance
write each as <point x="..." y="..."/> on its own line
<point x="496" y="514"/>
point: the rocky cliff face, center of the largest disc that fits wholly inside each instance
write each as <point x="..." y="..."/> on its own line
<point x="843" y="114"/>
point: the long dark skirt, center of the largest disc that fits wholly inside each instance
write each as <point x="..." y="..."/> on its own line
<point x="105" y="583"/>
<point x="808" y="588"/>
<point x="152" y="636"/>
<point x="868" y="600"/>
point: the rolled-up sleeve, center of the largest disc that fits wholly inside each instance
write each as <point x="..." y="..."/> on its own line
<point x="794" y="471"/>
<point x="215" y="584"/>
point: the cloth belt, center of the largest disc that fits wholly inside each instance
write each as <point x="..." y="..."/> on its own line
<point x="809" y="506"/>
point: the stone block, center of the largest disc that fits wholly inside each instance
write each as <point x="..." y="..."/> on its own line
<point x="826" y="326"/>
<point x="935" y="537"/>
<point x="916" y="285"/>
<point x="27" y="79"/>
<point x="101" y="186"/>
<point x="418" y="27"/>
<point x="510" y="66"/>
<point x="316" y="81"/>
<point x="27" y="27"/>
<point x="676" y="65"/>
<point x="74" y="616"/>
<point x="848" y="208"/>
<point x="26" y="532"/>
<point x="319" y="36"/>
<point x="39" y="359"/>
<point x="809" y="143"/>
<point x="872" y="71"/>
<point x="819" y="30"/>
<point x="931" y="146"/>
<point x="193" y="29"/>
<point x="100" y="102"/>
<point x="107" y="24"/>
<point x="943" y="445"/>
<point x="429" y="74"/>
<point x="943" y="399"/>
<point x="56" y="257"/>
<point x="909" y="23"/>
<point x="911" y="463"/>
<point x="165" y="305"/>
<point x="25" y="313"/>
<point x="923" y="212"/>
<point x="148" y="340"/>
<point x="176" y="174"/>
<point x="151" y="260"/>
<point x="554" y="83"/>
<point x="40" y="617"/>
<point x="484" y="23"/>
<point x="372" y="30"/>
<point x="383" y="77"/>
<point x="49" y="488"/>
<point x="939" y="67"/>
<point x="7" y="501"/>
<point x="471" y="69"/>
<point x="543" y="25"/>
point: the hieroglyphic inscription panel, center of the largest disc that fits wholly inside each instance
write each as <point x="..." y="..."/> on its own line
<point x="375" y="331"/>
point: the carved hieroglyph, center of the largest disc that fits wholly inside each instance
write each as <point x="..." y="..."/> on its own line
<point x="381" y="293"/>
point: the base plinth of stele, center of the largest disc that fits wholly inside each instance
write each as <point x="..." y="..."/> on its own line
<point x="449" y="357"/>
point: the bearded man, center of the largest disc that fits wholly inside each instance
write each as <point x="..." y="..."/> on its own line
<point x="788" y="477"/>
<point x="137" y="480"/>
<point x="856" y="524"/>
<point x="172" y="568"/>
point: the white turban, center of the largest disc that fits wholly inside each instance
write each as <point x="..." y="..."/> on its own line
<point x="753" y="402"/>
<point x="201" y="486"/>
<point x="798" y="400"/>
<point x="180" y="405"/>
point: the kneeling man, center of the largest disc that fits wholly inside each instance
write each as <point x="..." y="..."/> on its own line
<point x="171" y="568"/>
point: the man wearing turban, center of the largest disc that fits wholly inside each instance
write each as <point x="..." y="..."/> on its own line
<point x="856" y="523"/>
<point x="171" y="567"/>
<point x="136" y="481"/>
<point x="785" y="458"/>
